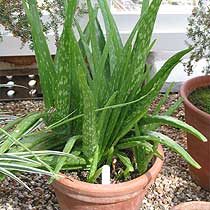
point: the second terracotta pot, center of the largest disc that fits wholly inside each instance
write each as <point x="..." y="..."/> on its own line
<point x="77" y="195"/>
<point x="200" y="120"/>
<point x="194" y="205"/>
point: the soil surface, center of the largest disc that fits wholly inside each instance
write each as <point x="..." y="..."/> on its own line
<point x="201" y="99"/>
<point x="173" y="185"/>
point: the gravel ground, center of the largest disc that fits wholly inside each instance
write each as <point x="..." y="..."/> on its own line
<point x="173" y="185"/>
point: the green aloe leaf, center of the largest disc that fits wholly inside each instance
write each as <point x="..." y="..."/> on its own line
<point x="133" y="143"/>
<point x="43" y="57"/>
<point x="104" y="122"/>
<point x="84" y="46"/>
<point x="34" y="139"/>
<point x="63" y="65"/>
<point x="20" y="129"/>
<point x="86" y="32"/>
<point x="175" y="123"/>
<point x="110" y="156"/>
<point x="149" y="92"/>
<point x="14" y="140"/>
<point x="163" y="100"/>
<point x="129" y="72"/>
<point x="173" y="107"/>
<point x="10" y="125"/>
<point x="94" y="164"/>
<point x="71" y="161"/>
<point x="110" y="25"/>
<point x="125" y="160"/>
<point x="140" y="49"/>
<point x="93" y="37"/>
<point x="167" y="141"/>
<point x="114" y="117"/>
<point x="145" y="6"/>
<point x="90" y="133"/>
<point x="165" y="70"/>
<point x="67" y="149"/>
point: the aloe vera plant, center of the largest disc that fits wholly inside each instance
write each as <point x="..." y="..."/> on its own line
<point x="97" y="93"/>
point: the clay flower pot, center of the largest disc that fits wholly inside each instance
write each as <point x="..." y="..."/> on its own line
<point x="77" y="195"/>
<point x="200" y="151"/>
<point x="194" y="205"/>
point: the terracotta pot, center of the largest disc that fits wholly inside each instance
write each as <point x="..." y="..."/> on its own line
<point x="200" y="151"/>
<point x="77" y="195"/>
<point x="194" y="205"/>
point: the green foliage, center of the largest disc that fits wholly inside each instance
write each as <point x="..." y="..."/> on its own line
<point x="14" y="19"/>
<point x="29" y="161"/>
<point x="97" y="90"/>
<point x="198" y="32"/>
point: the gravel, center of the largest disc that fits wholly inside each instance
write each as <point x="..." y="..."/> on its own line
<point x="173" y="185"/>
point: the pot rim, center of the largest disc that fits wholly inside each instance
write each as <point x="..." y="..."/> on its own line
<point x="184" y="94"/>
<point x="112" y="189"/>
<point x="191" y="203"/>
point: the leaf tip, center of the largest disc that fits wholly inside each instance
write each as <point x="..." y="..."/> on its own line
<point x="204" y="139"/>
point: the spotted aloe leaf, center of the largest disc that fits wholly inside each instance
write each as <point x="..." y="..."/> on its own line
<point x="89" y="131"/>
<point x="128" y="76"/>
<point x="43" y="57"/>
<point x="93" y="37"/>
<point x="67" y="149"/>
<point x="20" y="129"/>
<point x="63" y="65"/>
<point x="149" y="92"/>
<point x="110" y="25"/>
<point x="142" y="43"/>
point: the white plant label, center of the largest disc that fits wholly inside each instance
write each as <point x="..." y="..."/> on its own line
<point x="106" y="174"/>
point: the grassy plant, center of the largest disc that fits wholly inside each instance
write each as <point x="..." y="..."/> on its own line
<point x="97" y="93"/>
<point x="15" y="156"/>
